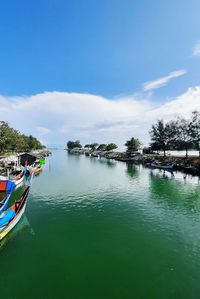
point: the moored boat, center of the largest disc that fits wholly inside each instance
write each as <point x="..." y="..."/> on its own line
<point x="6" y="188"/>
<point x="35" y="170"/>
<point x="163" y="166"/>
<point x="18" y="179"/>
<point x="11" y="217"/>
<point x="22" y="225"/>
<point x="4" y="203"/>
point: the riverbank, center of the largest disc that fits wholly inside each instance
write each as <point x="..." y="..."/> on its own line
<point x="189" y="165"/>
<point x="10" y="162"/>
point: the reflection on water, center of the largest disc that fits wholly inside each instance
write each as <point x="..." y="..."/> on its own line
<point x="22" y="225"/>
<point x="132" y="170"/>
<point x="178" y="176"/>
<point x="109" y="163"/>
<point x="106" y="229"/>
<point x="103" y="161"/>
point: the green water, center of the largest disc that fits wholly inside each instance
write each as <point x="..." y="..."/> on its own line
<point x="101" y="229"/>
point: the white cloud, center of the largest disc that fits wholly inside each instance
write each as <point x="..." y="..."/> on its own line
<point x="196" y="50"/>
<point x="43" y="130"/>
<point x="150" y="85"/>
<point x="92" y="118"/>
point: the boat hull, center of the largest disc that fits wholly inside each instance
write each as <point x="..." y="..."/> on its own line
<point x="18" y="181"/>
<point x="165" y="167"/>
<point x="7" y="228"/>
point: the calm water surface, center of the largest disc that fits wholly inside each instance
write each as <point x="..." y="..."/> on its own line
<point x="100" y="229"/>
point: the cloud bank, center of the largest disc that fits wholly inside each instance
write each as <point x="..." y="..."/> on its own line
<point x="151" y="85"/>
<point x="56" y="117"/>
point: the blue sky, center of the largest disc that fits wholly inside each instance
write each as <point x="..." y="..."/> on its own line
<point x="104" y="48"/>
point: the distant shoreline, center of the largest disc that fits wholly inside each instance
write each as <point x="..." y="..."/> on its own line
<point x="188" y="165"/>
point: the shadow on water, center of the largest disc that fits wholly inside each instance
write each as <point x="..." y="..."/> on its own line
<point x="22" y="225"/>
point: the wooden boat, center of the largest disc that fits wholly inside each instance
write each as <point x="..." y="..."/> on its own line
<point x="163" y="166"/>
<point x="4" y="181"/>
<point x="7" y="186"/>
<point x="11" y="217"/>
<point x="22" y="225"/>
<point x="4" y="203"/>
<point x="18" y="179"/>
<point x="35" y="170"/>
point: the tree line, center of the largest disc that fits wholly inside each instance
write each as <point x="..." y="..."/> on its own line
<point x="177" y="134"/>
<point x="93" y="146"/>
<point x="12" y="140"/>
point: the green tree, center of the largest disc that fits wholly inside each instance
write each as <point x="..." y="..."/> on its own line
<point x="12" y="140"/>
<point x="133" y="144"/>
<point x="184" y="140"/>
<point x="163" y="135"/>
<point x="73" y="144"/>
<point x="195" y="129"/>
<point x="111" y="147"/>
<point x="93" y="146"/>
<point x="102" y="147"/>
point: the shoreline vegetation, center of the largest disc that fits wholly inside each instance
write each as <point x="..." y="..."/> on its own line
<point x="13" y="144"/>
<point x="12" y="140"/>
<point x="176" y="135"/>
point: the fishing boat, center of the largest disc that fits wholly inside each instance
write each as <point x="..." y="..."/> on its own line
<point x="4" y="203"/>
<point x="22" y="225"/>
<point x="17" y="180"/>
<point x="35" y="170"/>
<point x="163" y="166"/>
<point x="6" y="188"/>
<point x="11" y="217"/>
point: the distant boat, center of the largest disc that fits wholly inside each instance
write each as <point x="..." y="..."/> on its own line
<point x="11" y="217"/>
<point x="163" y="166"/>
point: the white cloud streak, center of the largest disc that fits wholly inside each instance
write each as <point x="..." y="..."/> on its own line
<point x="196" y="50"/>
<point x="43" y="131"/>
<point x="155" y="84"/>
<point x="61" y="116"/>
